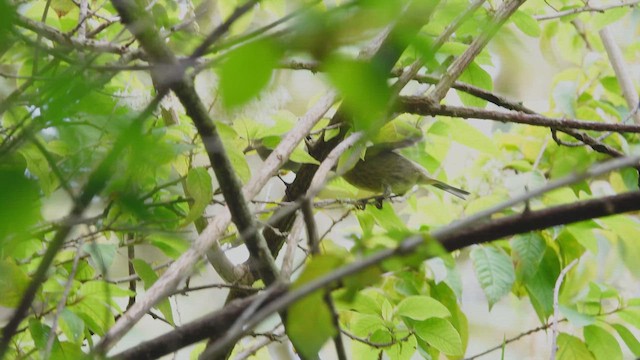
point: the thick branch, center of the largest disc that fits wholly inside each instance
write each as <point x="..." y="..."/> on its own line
<point x="422" y="106"/>
<point x="496" y="229"/>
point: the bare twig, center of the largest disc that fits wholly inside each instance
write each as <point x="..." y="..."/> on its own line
<point x="587" y="8"/>
<point x="621" y="70"/>
<point x="62" y="303"/>
<point x="461" y="63"/>
<point x="556" y="308"/>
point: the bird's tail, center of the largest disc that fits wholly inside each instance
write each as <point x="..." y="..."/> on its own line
<point x="462" y="194"/>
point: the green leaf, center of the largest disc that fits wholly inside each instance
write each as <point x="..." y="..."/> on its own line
<point x="171" y="245"/>
<point x="440" y="334"/>
<point x="19" y="204"/>
<point x="601" y="343"/>
<point x="526" y="23"/>
<point x="149" y="277"/>
<point x="631" y="316"/>
<point x="540" y="285"/>
<point x="200" y="189"/>
<point x="494" y="270"/>
<point x="366" y="324"/>
<point x="575" y="317"/>
<point x="627" y="230"/>
<point x="247" y="71"/>
<point x="421" y="308"/>
<point x="387" y="217"/>
<point x="13" y="283"/>
<point x="309" y="330"/>
<point x="101" y="254"/>
<point x="402" y="350"/>
<point x="629" y="338"/>
<point x="572" y="348"/>
<point x="364" y="89"/>
<point x="72" y="326"/>
<point x="527" y="252"/>
<point x="462" y="132"/>
<point x="477" y="76"/>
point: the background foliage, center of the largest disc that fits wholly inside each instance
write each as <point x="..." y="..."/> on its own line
<point x="108" y="187"/>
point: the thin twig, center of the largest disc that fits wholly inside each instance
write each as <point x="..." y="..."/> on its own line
<point x="556" y="308"/>
<point x="62" y="303"/>
<point x="588" y="8"/>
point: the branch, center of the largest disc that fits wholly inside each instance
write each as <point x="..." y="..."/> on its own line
<point x="184" y="265"/>
<point x="453" y="239"/>
<point x="622" y="72"/>
<point x="423" y="106"/>
<point x="588" y="8"/>
<point x="556" y="307"/>
<point x="461" y="63"/>
<point x="95" y="184"/>
<point x="53" y="34"/>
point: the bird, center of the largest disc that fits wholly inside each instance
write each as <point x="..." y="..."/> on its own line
<point x="385" y="171"/>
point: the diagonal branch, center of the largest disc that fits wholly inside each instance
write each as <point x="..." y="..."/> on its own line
<point x="452" y="239"/>
<point x="461" y="63"/>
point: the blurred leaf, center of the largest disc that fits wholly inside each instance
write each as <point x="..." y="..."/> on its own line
<point x="247" y="71"/>
<point x="526" y="23"/>
<point x="572" y="348"/>
<point x="475" y="75"/>
<point x="200" y="190"/>
<point x="13" y="283"/>
<point x="149" y="277"/>
<point x="576" y="318"/>
<point x="440" y="334"/>
<point x="19" y="202"/>
<point x="461" y="131"/>
<point x="364" y="89"/>
<point x="421" y="308"/>
<point x="72" y="326"/>
<point x="309" y="330"/>
<point x="494" y="270"/>
<point x="101" y="254"/>
<point x="527" y="252"/>
<point x="629" y="338"/>
<point x="540" y="285"/>
<point x="601" y="343"/>
<point x="171" y="245"/>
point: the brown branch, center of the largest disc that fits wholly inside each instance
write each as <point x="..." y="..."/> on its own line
<point x="53" y="34"/>
<point x="218" y="322"/>
<point x="95" y="184"/>
<point x="462" y="62"/>
<point x="422" y="106"/>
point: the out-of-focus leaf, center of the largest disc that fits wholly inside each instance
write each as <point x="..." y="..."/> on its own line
<point x="309" y="330"/>
<point x="475" y="75"/>
<point x="440" y="334"/>
<point x="601" y="343"/>
<point x="200" y="190"/>
<point x="629" y="338"/>
<point x="526" y="23"/>
<point x="149" y="277"/>
<point x="365" y="91"/>
<point x="13" y="282"/>
<point x="494" y="270"/>
<point x="527" y="253"/>
<point x="572" y="348"/>
<point x="246" y="71"/>
<point x="421" y="308"/>
<point x="101" y="254"/>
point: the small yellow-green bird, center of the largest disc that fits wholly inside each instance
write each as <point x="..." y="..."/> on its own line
<point x="386" y="171"/>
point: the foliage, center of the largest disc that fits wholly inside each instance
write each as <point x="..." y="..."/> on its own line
<point x="101" y="166"/>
